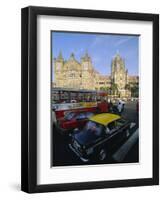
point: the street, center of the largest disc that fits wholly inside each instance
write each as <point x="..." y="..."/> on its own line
<point x="125" y="152"/>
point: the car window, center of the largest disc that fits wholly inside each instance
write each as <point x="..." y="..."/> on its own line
<point x="120" y="122"/>
<point x="80" y="116"/>
<point x="112" y="127"/>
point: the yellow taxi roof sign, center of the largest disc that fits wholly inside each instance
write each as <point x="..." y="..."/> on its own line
<point x="105" y="118"/>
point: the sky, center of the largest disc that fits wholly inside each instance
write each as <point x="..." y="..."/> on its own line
<point x="100" y="47"/>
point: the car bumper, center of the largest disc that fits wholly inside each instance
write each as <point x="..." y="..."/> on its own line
<point x="78" y="154"/>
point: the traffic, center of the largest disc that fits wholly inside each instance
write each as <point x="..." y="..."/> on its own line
<point x="90" y="126"/>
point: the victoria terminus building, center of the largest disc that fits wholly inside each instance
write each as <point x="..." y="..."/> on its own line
<point x="81" y="74"/>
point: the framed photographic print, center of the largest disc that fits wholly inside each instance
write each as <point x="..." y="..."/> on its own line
<point x="90" y="99"/>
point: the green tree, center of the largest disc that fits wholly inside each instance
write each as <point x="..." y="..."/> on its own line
<point x="114" y="89"/>
<point x="135" y="90"/>
<point x="128" y="87"/>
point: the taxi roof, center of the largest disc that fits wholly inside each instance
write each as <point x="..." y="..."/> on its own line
<point x="105" y="118"/>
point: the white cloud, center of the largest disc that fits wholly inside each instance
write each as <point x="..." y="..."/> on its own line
<point x="99" y="39"/>
<point x="123" y="41"/>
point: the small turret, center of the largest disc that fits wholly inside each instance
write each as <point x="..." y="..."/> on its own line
<point x="60" y="57"/>
<point x="72" y="56"/>
<point x="58" y="62"/>
<point x="86" y="57"/>
<point x="117" y="56"/>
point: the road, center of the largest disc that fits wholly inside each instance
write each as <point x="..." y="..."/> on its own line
<point x="125" y="152"/>
<point x="130" y="112"/>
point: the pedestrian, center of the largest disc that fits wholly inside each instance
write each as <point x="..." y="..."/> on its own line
<point x="120" y="106"/>
<point x="110" y="106"/>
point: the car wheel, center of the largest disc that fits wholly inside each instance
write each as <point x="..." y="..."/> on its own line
<point x="127" y="133"/>
<point x="102" y="154"/>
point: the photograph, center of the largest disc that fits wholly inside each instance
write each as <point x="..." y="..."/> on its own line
<point x="94" y="98"/>
<point x="90" y="99"/>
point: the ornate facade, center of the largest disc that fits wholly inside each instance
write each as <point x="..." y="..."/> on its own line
<point x="82" y="75"/>
<point x="119" y="75"/>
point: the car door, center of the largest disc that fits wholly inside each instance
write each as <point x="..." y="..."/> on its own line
<point x="113" y="134"/>
<point x="122" y="126"/>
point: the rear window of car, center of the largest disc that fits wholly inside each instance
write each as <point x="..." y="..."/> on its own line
<point x="93" y="128"/>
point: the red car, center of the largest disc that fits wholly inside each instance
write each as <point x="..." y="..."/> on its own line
<point x="73" y="120"/>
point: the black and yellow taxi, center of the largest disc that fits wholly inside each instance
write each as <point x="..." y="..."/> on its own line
<point x="99" y="135"/>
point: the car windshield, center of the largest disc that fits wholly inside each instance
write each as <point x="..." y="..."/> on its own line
<point x="93" y="128"/>
<point x="69" y="116"/>
<point x="89" y="114"/>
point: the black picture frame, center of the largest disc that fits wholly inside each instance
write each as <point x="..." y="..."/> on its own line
<point x="29" y="98"/>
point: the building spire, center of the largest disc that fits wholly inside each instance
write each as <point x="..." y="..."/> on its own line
<point x="60" y="57"/>
<point x="117" y="56"/>
<point x="86" y="56"/>
<point x="72" y="56"/>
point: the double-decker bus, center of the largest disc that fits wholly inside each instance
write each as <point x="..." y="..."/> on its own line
<point x="66" y="100"/>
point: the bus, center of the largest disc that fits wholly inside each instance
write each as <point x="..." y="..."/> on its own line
<point x="64" y="100"/>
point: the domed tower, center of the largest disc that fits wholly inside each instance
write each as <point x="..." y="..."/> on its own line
<point x="119" y="73"/>
<point x="58" y="66"/>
